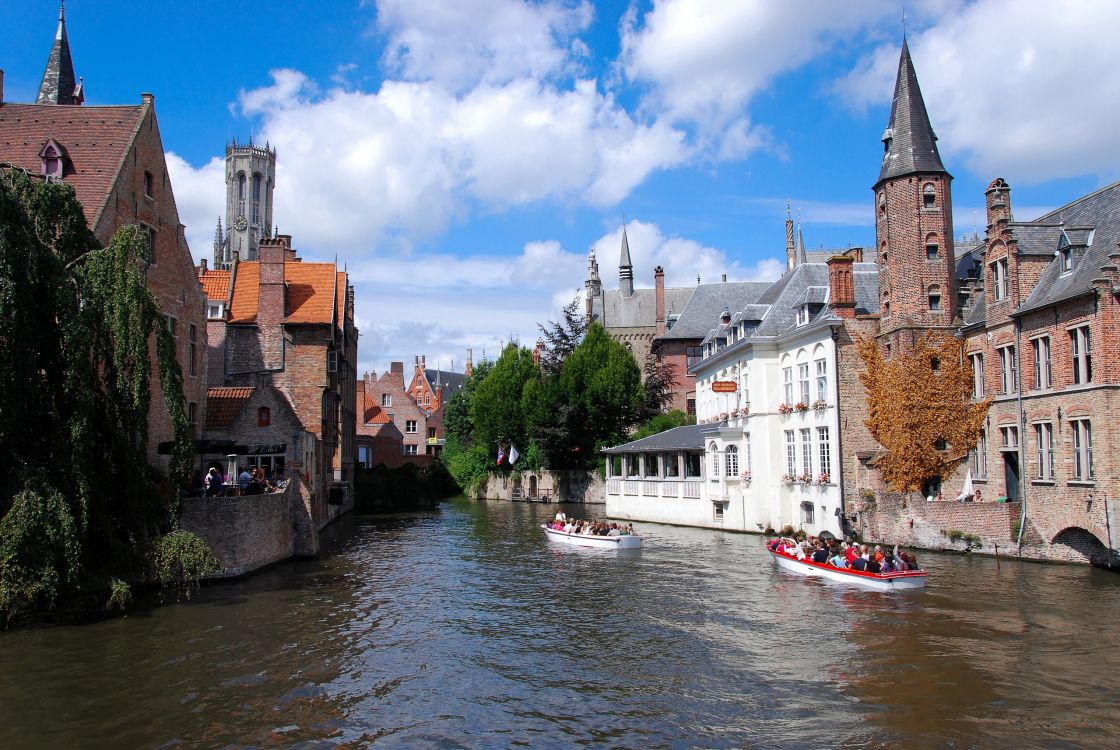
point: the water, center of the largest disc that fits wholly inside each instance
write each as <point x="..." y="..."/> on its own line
<point x="463" y="628"/>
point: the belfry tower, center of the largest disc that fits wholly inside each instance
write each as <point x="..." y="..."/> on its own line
<point x="250" y="179"/>
<point x="913" y="217"/>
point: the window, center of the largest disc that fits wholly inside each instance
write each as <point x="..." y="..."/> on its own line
<point x="1008" y="372"/>
<point x="807" y="451"/>
<point x="929" y="196"/>
<point x="410" y="425"/>
<point x="690" y="407"/>
<point x="977" y="375"/>
<point x="149" y="243"/>
<point x="431" y="433"/>
<point x="791" y="454"/>
<point x="732" y="462"/>
<point x="1040" y="349"/>
<point x="652" y="470"/>
<point x="1044" y="450"/>
<point x="825" y="449"/>
<point x="332" y="360"/>
<point x="241" y="194"/>
<point x="173" y="327"/>
<point x="386" y="399"/>
<point x="365" y="457"/>
<point x="264" y="417"/>
<point x="692" y="465"/>
<point x="787" y="384"/>
<point x="822" y="380"/>
<point x="1082" y="449"/>
<point x="147" y="184"/>
<point x="51" y="157"/>
<point x="271" y="465"/>
<point x="672" y="467"/>
<point x="192" y="349"/>
<point x="1065" y="258"/>
<point x="215" y="310"/>
<point x="999" y="279"/>
<point x="882" y="203"/>
<point x="410" y="450"/>
<point x="1081" y="354"/>
<point x="932" y="248"/>
<point x="886" y="309"/>
<point x="614" y="465"/>
<point x="978" y="457"/>
<point x="1010" y="436"/>
<point x="803" y="381"/>
<point x="935" y="298"/>
<point x="717" y="511"/>
<point x="633" y="468"/>
<point x="808" y="515"/>
<point x="715" y="460"/>
<point x="803" y="315"/>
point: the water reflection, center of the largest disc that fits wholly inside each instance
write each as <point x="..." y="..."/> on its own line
<point x="465" y="628"/>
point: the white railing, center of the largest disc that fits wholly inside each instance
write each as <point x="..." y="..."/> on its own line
<point x="649" y="488"/>
<point x="670" y="488"/>
<point x="614" y="486"/>
<point x="632" y="487"/>
<point x="692" y="489"/>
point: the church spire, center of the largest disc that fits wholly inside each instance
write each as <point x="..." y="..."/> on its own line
<point x="801" y="256"/>
<point x="909" y="143"/>
<point x="58" y="85"/>
<point x="625" y="268"/>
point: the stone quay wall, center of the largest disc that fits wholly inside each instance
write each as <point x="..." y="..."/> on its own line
<point x="926" y="525"/>
<point x="551" y="486"/>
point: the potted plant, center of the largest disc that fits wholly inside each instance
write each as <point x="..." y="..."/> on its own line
<point x="745" y="477"/>
<point x="801" y="406"/>
<point x="820" y="404"/>
<point x="823" y="478"/>
<point x="785" y="409"/>
<point x="805" y="478"/>
<point x="788" y="479"/>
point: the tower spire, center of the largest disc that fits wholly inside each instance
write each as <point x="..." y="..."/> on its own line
<point x="801" y="257"/>
<point x="625" y="268"/>
<point x="909" y="143"/>
<point x="59" y="85"/>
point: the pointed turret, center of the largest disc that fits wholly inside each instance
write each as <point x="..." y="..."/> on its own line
<point x="59" y="85"/>
<point x="625" y="268"/>
<point x="909" y="143"/>
<point x="801" y="256"/>
<point x="791" y="249"/>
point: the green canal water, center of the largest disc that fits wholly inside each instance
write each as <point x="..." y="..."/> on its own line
<point x="464" y="628"/>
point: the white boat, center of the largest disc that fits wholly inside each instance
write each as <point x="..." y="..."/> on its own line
<point x="626" y="541"/>
<point x="903" y="580"/>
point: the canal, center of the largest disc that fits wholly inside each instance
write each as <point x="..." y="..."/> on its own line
<point x="463" y="628"/>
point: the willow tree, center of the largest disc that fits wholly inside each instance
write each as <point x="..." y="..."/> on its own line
<point x="79" y="506"/>
<point x="921" y="409"/>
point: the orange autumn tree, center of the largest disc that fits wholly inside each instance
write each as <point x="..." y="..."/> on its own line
<point x="921" y="408"/>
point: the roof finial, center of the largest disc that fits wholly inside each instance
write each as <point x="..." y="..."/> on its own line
<point x="904" y="21"/>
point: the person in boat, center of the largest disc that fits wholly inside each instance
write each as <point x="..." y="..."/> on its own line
<point x="614" y="530"/>
<point x="838" y="560"/>
<point x="820" y="554"/>
<point x="861" y="559"/>
<point x="873" y="565"/>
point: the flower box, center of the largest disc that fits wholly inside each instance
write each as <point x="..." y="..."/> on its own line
<point x="801" y="406"/>
<point x="820" y="404"/>
<point x="785" y="409"/>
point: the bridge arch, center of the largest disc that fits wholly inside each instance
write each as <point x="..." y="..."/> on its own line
<point x="1076" y="544"/>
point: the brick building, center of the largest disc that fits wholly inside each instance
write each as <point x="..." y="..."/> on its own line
<point x="113" y="158"/>
<point x="285" y="328"/>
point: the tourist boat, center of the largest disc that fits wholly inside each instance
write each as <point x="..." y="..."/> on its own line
<point x="906" y="579"/>
<point x="631" y="541"/>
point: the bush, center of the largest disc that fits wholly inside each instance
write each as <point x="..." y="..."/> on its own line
<point x="180" y="560"/>
<point x="40" y="549"/>
<point x="955" y="535"/>
<point x="662" y="422"/>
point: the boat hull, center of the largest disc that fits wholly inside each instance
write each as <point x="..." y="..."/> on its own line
<point x="631" y="541"/>
<point x="909" y="579"/>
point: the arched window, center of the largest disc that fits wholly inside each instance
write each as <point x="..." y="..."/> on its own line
<point x="714" y="450"/>
<point x="935" y="298"/>
<point x="933" y="251"/>
<point x="929" y="196"/>
<point x="732" y="461"/>
<point x="264" y="416"/>
<point x="256" y="187"/>
<point x="883" y="202"/>
<point x="241" y="186"/>
<point x="808" y="516"/>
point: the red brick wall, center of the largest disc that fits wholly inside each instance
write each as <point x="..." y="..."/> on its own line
<point x="676" y="354"/>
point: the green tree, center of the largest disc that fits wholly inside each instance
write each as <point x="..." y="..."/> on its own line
<point x="658" y="380"/>
<point x="560" y="338"/>
<point x="496" y="405"/>
<point x="662" y="422"/>
<point x="457" y="419"/>
<point x="79" y="505"/>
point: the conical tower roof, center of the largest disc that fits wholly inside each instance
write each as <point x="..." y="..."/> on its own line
<point x="624" y="256"/>
<point x="59" y="85"/>
<point x="909" y="142"/>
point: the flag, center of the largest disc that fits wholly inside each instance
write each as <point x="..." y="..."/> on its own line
<point x="513" y="454"/>
<point x="501" y="455"/>
<point x="967" y="491"/>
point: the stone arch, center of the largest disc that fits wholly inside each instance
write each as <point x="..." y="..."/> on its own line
<point x="1076" y="544"/>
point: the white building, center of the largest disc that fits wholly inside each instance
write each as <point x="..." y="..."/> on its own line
<point x="765" y="452"/>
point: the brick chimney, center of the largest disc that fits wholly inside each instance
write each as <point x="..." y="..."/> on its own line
<point x="842" y="286"/>
<point x="286" y="241"/>
<point x="202" y="266"/>
<point x="270" y="304"/>
<point x="659" y="299"/>
<point x="470" y="362"/>
<point x="397" y="368"/>
<point x="998" y="199"/>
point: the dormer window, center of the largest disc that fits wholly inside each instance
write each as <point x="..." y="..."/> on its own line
<point x="929" y="196"/>
<point x="803" y="315"/>
<point x="1065" y="257"/>
<point x="52" y="159"/>
<point x="215" y="310"/>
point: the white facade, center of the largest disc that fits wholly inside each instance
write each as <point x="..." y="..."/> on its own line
<point x="767" y="462"/>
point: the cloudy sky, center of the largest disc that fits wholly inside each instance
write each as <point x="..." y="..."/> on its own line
<point x="462" y="157"/>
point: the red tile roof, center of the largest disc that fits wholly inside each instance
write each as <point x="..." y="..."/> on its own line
<point x="95" y="138"/>
<point x="223" y="405"/>
<point x="310" y="292"/>
<point x="215" y="284"/>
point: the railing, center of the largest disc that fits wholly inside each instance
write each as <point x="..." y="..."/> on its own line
<point x="692" y="489"/>
<point x="649" y="488"/>
<point x="614" y="486"/>
<point x="670" y="488"/>
<point x="632" y="487"/>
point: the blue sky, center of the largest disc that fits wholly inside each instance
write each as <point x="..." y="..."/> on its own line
<point x="462" y="157"/>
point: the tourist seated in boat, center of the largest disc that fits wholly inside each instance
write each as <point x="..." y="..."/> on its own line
<point x="839" y="560"/>
<point x="820" y="554"/>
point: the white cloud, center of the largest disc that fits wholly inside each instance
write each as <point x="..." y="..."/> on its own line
<point x="200" y="195"/>
<point x="1009" y="89"/>
<point x="704" y="60"/>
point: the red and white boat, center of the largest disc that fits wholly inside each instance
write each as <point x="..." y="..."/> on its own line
<point x="901" y="581"/>
<point x="626" y="541"/>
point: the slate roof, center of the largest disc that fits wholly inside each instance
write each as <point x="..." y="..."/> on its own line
<point x="911" y="145"/>
<point x="638" y="310"/>
<point x="688" y="437"/>
<point x="451" y="382"/>
<point x="1099" y="211"/>
<point x="224" y="404"/>
<point x="215" y="284"/>
<point x="96" y="139"/>
<point x="706" y="304"/>
<point x="58" y="85"/>
<point x="313" y="290"/>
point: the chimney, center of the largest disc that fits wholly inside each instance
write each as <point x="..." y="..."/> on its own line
<point x="1" y="85"/>
<point x="470" y="363"/>
<point x="723" y="278"/>
<point x="537" y="353"/>
<point x="998" y="198"/>
<point x="397" y="368"/>
<point x="841" y="286"/>
<point x="286" y="241"/>
<point x="202" y="266"/>
<point x="659" y="299"/>
<point x="423" y="361"/>
<point x="270" y="305"/>
<point x="856" y="253"/>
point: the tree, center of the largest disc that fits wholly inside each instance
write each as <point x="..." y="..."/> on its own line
<point x="659" y="379"/>
<point x="561" y="338"/>
<point x="496" y="405"/>
<point x="457" y="416"/>
<point x="662" y="422"/>
<point x="921" y="409"/>
<point x="596" y="398"/>
<point x="79" y="506"/>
